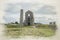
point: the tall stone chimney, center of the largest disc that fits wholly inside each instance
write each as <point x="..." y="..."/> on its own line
<point x="21" y="17"/>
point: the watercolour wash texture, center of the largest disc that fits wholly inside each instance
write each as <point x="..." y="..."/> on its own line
<point x="22" y="19"/>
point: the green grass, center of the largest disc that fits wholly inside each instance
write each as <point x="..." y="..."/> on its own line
<point x="26" y="31"/>
<point x="16" y="31"/>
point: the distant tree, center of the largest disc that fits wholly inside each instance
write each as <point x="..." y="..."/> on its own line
<point x="54" y="22"/>
<point x="50" y="23"/>
<point x="16" y="22"/>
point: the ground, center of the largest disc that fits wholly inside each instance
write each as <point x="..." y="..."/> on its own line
<point x="29" y="31"/>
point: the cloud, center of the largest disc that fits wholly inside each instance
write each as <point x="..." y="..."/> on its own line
<point x="15" y="8"/>
<point x="39" y="10"/>
<point x="45" y="19"/>
<point x="11" y="18"/>
<point x="12" y="9"/>
<point x="46" y="10"/>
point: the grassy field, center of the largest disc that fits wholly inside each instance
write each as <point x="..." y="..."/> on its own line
<point x="29" y="31"/>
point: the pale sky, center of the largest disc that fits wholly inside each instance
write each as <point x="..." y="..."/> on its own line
<point x="44" y="10"/>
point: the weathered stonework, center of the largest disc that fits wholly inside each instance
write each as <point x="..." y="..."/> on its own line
<point x="21" y="17"/>
<point x="29" y="19"/>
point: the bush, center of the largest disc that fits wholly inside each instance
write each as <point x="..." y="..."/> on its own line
<point x="12" y="26"/>
<point x="42" y="25"/>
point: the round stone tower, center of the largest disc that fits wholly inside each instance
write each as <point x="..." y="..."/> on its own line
<point x="21" y="17"/>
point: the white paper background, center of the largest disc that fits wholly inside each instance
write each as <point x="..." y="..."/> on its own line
<point x="49" y="2"/>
